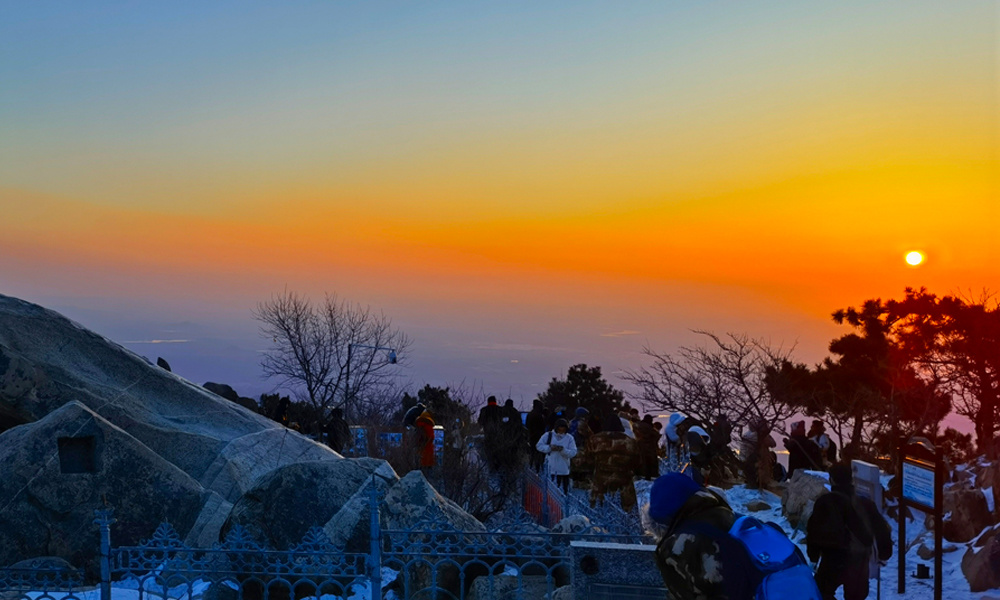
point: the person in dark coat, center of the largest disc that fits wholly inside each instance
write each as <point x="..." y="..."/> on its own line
<point x="490" y="419"/>
<point x="649" y="441"/>
<point x="841" y="534"/>
<point x="338" y="432"/>
<point x="534" y="421"/>
<point x="803" y="453"/>
<point x="490" y="416"/>
<point x="513" y="439"/>
<point x="697" y="556"/>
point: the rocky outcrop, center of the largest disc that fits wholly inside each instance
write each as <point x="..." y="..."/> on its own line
<point x="284" y="505"/>
<point x="799" y="497"/>
<point x="966" y="515"/>
<point x="981" y="566"/>
<point x="54" y="473"/>
<point x="47" y="360"/>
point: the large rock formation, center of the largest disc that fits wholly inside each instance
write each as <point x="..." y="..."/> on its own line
<point x="799" y="497"/>
<point x="84" y="421"/>
<point x="55" y="472"/>
<point x="966" y="515"/>
<point x="282" y="506"/>
<point x="47" y="360"/>
<point x="981" y="565"/>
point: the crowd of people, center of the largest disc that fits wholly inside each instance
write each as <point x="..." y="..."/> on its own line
<point x="702" y="551"/>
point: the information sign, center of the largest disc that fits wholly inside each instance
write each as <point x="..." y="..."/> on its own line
<point x="918" y="483"/>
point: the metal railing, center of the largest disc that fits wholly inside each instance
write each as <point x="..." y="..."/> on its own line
<point x="514" y="557"/>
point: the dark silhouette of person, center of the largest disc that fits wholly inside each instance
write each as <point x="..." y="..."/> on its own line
<point x="841" y="534"/>
<point x="490" y="419"/>
<point x="534" y="421"/>
<point x="803" y="453"/>
<point x="338" y="432"/>
<point x="281" y="411"/>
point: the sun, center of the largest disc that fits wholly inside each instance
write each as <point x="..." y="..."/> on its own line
<point x="914" y="258"/>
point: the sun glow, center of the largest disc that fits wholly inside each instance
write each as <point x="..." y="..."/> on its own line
<point x="914" y="258"/>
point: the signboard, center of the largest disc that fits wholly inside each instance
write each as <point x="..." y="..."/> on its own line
<point x="868" y="484"/>
<point x="918" y="483"/>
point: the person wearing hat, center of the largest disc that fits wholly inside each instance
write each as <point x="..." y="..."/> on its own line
<point x="558" y="447"/>
<point x="696" y="555"/>
<point x="841" y="534"/>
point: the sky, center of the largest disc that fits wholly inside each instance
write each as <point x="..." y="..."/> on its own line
<point x="520" y="186"/>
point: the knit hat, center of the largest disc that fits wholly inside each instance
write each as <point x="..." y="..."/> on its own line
<point x="668" y="495"/>
<point x="581" y="411"/>
<point x="560" y="423"/>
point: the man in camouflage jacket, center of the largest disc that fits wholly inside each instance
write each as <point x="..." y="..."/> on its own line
<point x="696" y="556"/>
<point x="615" y="459"/>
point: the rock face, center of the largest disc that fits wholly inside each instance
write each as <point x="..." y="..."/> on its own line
<point x="55" y="472"/>
<point x="47" y="360"/>
<point x="982" y="566"/>
<point x="413" y="499"/>
<point x="967" y="514"/>
<point x="283" y="505"/>
<point x="798" y="499"/>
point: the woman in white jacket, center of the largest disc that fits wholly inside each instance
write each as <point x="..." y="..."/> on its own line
<point x="558" y="447"/>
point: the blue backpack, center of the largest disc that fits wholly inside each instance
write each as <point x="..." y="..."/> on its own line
<point x="784" y="572"/>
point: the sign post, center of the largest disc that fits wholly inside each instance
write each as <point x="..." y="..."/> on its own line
<point x="921" y="478"/>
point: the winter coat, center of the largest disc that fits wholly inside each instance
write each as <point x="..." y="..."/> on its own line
<point x="844" y="525"/>
<point x="698" y="559"/>
<point x="803" y="453"/>
<point x="425" y="427"/>
<point x="535" y="422"/>
<point x="615" y="458"/>
<point x="558" y="448"/>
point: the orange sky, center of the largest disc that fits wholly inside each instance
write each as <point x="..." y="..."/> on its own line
<point x="492" y="177"/>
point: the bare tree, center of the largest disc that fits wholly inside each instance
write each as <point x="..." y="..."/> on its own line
<point x="724" y="377"/>
<point x="330" y="355"/>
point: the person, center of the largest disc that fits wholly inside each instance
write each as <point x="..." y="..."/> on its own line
<point x="425" y="440"/>
<point x="489" y="416"/>
<point x="648" y="439"/>
<point x="534" y="421"/>
<point x="674" y="444"/>
<point x="756" y="455"/>
<point x="841" y="533"/>
<point x="512" y="440"/>
<point x="559" y="448"/>
<point x="803" y="453"/>
<point x="338" y="432"/>
<point x="615" y="458"/>
<point x="828" y="449"/>
<point x="626" y="421"/>
<point x="698" y="444"/>
<point x="695" y="555"/>
<point x="579" y="427"/>
<point x="490" y="419"/>
<point x="281" y="410"/>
